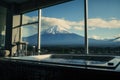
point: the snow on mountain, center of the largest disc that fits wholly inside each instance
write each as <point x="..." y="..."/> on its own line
<point x="55" y="30"/>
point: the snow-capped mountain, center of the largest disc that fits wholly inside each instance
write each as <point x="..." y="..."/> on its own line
<point x="55" y="30"/>
<point x="56" y="36"/>
<point x="60" y="36"/>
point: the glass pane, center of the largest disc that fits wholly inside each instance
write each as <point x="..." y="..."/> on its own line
<point x="29" y="35"/>
<point x="104" y="27"/>
<point x="63" y="28"/>
<point x="30" y="17"/>
<point x="2" y="26"/>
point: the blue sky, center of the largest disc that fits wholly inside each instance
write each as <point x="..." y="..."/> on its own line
<point x="104" y="12"/>
<point x="104" y="8"/>
<point x="72" y="10"/>
<point x="104" y="17"/>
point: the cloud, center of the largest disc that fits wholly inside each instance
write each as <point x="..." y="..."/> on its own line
<point x="61" y="22"/>
<point x="29" y="30"/>
<point x="113" y="18"/>
<point x="97" y="37"/>
<point x="118" y="35"/>
<point x="101" y="23"/>
<point x="28" y="19"/>
<point x="102" y="38"/>
<point x="93" y="23"/>
<point x="79" y="28"/>
<point x="46" y="21"/>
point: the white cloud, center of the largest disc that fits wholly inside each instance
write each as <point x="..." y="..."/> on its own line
<point x="79" y="28"/>
<point x="75" y="26"/>
<point x="101" y="23"/>
<point x="29" y="30"/>
<point x="93" y="23"/>
<point x="118" y="35"/>
<point x="113" y="18"/>
<point x="46" y="21"/>
<point x="27" y="19"/>
<point x="97" y="37"/>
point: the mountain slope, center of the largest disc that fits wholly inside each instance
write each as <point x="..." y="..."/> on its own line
<point x="61" y="39"/>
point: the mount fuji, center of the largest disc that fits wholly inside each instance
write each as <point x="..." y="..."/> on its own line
<point x="55" y="30"/>
<point x="59" y="36"/>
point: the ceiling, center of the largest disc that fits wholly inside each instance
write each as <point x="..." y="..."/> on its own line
<point x="15" y="1"/>
<point x="23" y="1"/>
<point x="22" y="6"/>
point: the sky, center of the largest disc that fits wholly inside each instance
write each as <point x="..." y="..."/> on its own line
<point x="103" y="17"/>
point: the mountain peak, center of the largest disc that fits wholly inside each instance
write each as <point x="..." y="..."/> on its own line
<point x="55" y="30"/>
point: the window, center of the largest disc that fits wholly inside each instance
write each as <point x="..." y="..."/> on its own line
<point x="2" y="26"/>
<point x="30" y="17"/>
<point x="30" y="30"/>
<point x="63" y="28"/>
<point x="29" y="34"/>
<point x="104" y="27"/>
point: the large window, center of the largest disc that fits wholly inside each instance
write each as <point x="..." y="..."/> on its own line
<point x="2" y="26"/>
<point x="104" y="27"/>
<point x="63" y="28"/>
